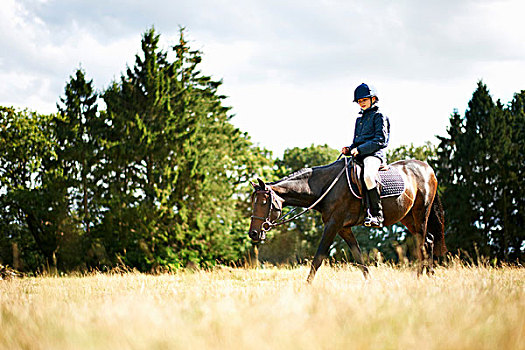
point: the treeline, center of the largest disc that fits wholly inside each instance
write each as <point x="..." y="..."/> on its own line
<point x="156" y="179"/>
<point x="151" y="174"/>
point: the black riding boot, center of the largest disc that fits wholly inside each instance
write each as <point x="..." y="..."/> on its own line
<point x="375" y="209"/>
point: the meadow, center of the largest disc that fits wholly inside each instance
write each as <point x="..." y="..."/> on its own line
<point x="460" y="307"/>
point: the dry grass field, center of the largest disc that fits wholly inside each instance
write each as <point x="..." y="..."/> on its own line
<point x="269" y="308"/>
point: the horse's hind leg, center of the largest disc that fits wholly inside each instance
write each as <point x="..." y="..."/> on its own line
<point x="429" y="250"/>
<point x="347" y="234"/>
<point x="415" y="223"/>
<point x="427" y="246"/>
<point x="424" y="242"/>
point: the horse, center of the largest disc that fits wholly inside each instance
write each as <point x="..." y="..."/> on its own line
<point x="322" y="188"/>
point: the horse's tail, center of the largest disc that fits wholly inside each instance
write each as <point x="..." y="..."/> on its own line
<point x="436" y="226"/>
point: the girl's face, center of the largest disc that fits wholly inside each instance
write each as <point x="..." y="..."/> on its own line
<point x="364" y="103"/>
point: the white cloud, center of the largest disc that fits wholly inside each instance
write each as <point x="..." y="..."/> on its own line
<point x="291" y="65"/>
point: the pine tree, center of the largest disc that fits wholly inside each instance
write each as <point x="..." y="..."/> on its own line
<point x="452" y="188"/>
<point x="175" y="163"/>
<point x="476" y="167"/>
<point x="78" y="128"/>
<point x="141" y="155"/>
<point x="515" y="194"/>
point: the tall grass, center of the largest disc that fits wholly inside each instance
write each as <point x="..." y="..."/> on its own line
<point x="273" y="308"/>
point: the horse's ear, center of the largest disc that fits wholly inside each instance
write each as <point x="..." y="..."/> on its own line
<point x="261" y="183"/>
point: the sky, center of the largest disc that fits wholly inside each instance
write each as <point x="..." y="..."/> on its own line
<point x="289" y="67"/>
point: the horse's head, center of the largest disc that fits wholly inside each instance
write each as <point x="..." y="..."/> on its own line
<point x="266" y="208"/>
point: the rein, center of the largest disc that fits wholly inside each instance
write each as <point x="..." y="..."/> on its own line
<point x="274" y="224"/>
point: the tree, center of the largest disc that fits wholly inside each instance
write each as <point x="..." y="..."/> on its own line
<point x="478" y="165"/>
<point x="78" y="128"/>
<point x="514" y="195"/>
<point x="425" y="153"/>
<point x="31" y="214"/>
<point x="174" y="164"/>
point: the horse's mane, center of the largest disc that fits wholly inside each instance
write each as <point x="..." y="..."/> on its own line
<point x="298" y="175"/>
<point x="301" y="173"/>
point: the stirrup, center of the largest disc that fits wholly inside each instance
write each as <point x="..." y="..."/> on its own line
<point x="372" y="221"/>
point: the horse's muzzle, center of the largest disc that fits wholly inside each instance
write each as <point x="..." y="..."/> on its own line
<point x="257" y="236"/>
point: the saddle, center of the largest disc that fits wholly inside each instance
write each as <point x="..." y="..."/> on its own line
<point x="390" y="181"/>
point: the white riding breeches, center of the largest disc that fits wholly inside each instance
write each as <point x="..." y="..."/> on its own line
<point x="371" y="170"/>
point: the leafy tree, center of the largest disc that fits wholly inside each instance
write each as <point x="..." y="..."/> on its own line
<point x="297" y="158"/>
<point x="426" y="153"/>
<point x="31" y="215"/>
<point x="47" y="175"/>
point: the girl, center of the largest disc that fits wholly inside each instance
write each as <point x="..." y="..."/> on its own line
<point x="371" y="135"/>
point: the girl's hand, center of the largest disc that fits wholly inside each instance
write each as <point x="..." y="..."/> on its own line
<point x="354" y="152"/>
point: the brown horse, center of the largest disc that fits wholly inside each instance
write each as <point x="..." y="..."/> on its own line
<point x="418" y="208"/>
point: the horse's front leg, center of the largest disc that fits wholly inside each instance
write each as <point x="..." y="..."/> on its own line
<point x="330" y="230"/>
<point x="347" y="234"/>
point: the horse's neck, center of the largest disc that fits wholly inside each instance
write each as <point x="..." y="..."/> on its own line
<point x="305" y="189"/>
<point x="294" y="192"/>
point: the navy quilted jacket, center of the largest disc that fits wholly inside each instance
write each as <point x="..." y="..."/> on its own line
<point x="371" y="134"/>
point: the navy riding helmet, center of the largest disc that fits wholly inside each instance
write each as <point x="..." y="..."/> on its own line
<point x="365" y="91"/>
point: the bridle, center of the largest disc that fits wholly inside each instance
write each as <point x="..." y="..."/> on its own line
<point x="267" y="224"/>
